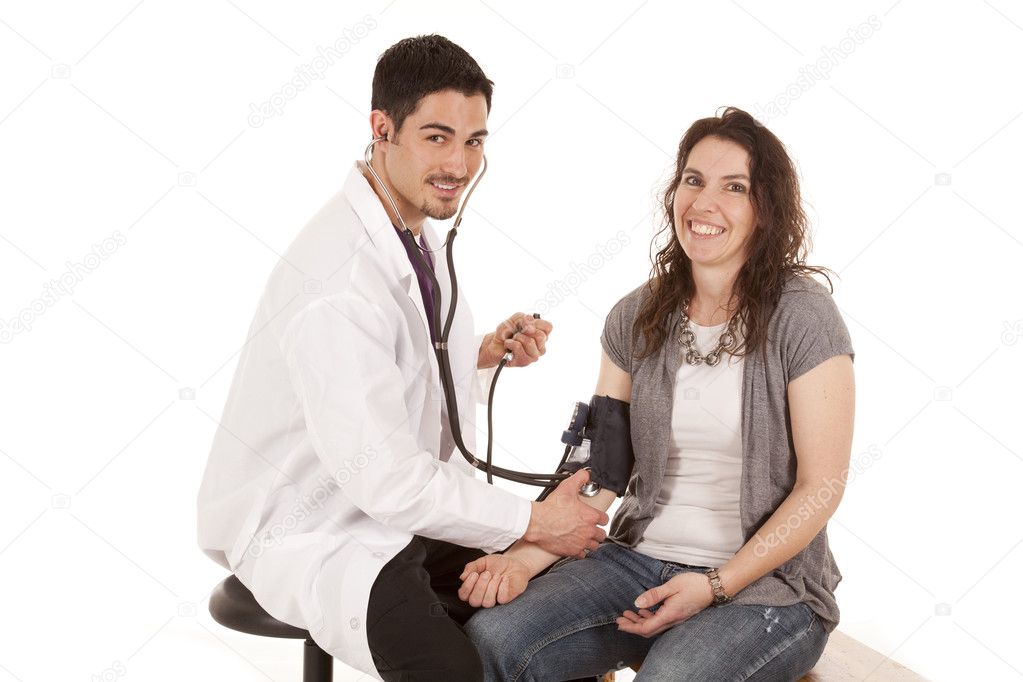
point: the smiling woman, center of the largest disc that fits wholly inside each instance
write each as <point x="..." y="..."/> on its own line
<point x="738" y="369"/>
<point x="761" y="229"/>
<point x="713" y="215"/>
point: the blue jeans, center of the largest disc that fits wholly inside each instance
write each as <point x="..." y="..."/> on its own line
<point x="563" y="627"/>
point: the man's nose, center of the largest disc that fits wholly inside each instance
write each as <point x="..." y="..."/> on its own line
<point x="455" y="162"/>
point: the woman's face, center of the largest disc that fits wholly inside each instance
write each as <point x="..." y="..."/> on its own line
<point x="714" y="198"/>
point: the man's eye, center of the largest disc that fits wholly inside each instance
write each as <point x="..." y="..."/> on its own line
<point x="475" y="142"/>
<point x="436" y="138"/>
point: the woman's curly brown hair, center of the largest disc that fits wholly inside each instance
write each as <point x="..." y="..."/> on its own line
<point x="777" y="248"/>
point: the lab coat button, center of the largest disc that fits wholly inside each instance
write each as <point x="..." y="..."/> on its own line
<point x="354" y="622"/>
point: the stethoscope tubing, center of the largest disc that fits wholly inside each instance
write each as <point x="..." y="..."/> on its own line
<point x="547" y="481"/>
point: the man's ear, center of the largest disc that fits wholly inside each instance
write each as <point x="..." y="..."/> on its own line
<point x="381" y="125"/>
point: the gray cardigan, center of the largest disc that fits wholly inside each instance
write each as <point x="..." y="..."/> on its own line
<point x="805" y="329"/>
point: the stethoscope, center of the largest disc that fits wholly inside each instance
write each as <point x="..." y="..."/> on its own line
<point x="547" y="481"/>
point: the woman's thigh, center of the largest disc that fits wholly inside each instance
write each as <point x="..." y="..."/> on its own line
<point x="738" y="642"/>
<point x="563" y="625"/>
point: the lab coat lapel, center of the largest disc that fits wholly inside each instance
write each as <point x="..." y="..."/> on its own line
<point x="412" y="290"/>
<point x="463" y="360"/>
<point x="460" y="351"/>
<point x="385" y="238"/>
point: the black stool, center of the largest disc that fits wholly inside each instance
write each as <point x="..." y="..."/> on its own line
<point x="233" y="606"/>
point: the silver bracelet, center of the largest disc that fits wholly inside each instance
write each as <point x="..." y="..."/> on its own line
<point x="720" y="598"/>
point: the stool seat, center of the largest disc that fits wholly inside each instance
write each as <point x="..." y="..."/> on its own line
<point x="233" y="606"/>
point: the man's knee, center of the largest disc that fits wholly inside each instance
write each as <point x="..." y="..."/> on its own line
<point x="464" y="664"/>
<point x="457" y="660"/>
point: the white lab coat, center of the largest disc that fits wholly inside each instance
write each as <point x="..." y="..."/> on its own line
<point x="331" y="451"/>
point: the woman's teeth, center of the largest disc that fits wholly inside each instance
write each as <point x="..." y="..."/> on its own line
<point x="699" y="228"/>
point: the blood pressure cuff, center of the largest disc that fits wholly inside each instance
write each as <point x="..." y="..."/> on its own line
<point x="610" y="434"/>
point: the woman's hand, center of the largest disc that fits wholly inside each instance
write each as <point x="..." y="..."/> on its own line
<point x="493" y="579"/>
<point x="684" y="596"/>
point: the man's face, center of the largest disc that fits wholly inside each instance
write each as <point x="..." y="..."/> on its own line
<point x="437" y="152"/>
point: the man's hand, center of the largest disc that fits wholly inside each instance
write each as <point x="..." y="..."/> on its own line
<point x="493" y="579"/>
<point x="684" y="596"/>
<point x="523" y="335"/>
<point x="563" y="524"/>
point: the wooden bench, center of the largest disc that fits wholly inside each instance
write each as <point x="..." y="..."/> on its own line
<point x="845" y="660"/>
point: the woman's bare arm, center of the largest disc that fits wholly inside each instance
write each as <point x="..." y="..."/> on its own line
<point x="821" y="409"/>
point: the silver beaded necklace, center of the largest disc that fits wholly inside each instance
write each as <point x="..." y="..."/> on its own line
<point x="687" y="338"/>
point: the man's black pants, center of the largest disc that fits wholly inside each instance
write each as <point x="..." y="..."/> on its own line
<point x="415" y="617"/>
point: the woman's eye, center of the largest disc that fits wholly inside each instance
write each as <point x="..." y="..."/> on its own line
<point x="741" y="188"/>
<point x="691" y="177"/>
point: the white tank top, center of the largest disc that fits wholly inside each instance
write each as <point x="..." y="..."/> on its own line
<point x="696" y="518"/>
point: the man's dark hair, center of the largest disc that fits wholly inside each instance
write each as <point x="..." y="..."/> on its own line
<point x="416" y="67"/>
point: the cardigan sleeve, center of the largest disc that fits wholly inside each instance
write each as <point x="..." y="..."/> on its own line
<point x="814" y="331"/>
<point x="616" y="339"/>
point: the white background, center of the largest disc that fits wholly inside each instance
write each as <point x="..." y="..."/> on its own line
<point x="134" y="120"/>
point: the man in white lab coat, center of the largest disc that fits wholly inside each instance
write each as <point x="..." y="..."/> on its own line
<point x="333" y="489"/>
